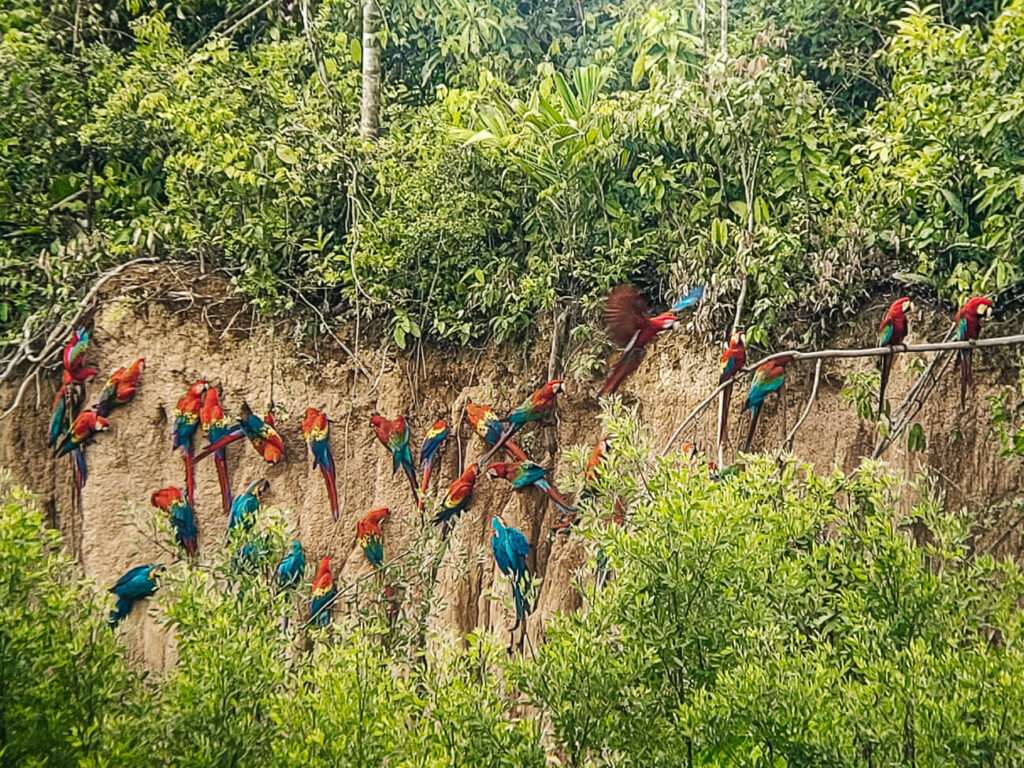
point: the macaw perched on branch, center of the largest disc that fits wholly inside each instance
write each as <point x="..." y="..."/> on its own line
<point x="523" y="474"/>
<point x="734" y="357"/>
<point x="136" y="584"/>
<point x="171" y="502"/>
<point x="394" y="435"/>
<point x="75" y="374"/>
<point x="487" y="424"/>
<point x="245" y="508"/>
<point x="316" y="430"/>
<point x="291" y="568"/>
<point x="323" y="593"/>
<point x="183" y="430"/>
<point x="891" y="333"/>
<point x="370" y="536"/>
<point x="510" y="549"/>
<point x="767" y="378"/>
<point x="83" y="429"/>
<point x="457" y="499"/>
<point x="968" y="328"/>
<point x="537" y="406"/>
<point x="215" y="426"/>
<point x="432" y="443"/>
<point x="120" y="388"/>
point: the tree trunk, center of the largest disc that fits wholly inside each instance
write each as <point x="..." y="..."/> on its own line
<point x="369" y="123"/>
<point x="725" y="27"/>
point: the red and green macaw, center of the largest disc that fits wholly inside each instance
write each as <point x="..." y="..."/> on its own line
<point x="315" y="430"/>
<point x="968" y="328"/>
<point x="510" y="549"/>
<point x="767" y="378"/>
<point x="74" y="375"/>
<point x="260" y="432"/>
<point x="891" y="333"/>
<point x="523" y="474"/>
<point x="734" y="357"/>
<point x="183" y="429"/>
<point x="394" y="435"/>
<point x="83" y="429"/>
<point x="487" y="424"/>
<point x="630" y="326"/>
<point x="171" y="502"/>
<point x="457" y="499"/>
<point x="120" y="388"/>
<point x="215" y="426"/>
<point x="136" y="584"/>
<point x="537" y="406"/>
<point x="596" y="457"/>
<point x="323" y="593"/>
<point x="432" y="443"/>
<point x="370" y="536"/>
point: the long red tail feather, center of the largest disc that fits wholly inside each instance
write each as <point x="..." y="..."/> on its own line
<point x="754" y="414"/>
<point x="723" y="413"/>
<point x="225" y="484"/>
<point x="332" y="491"/>
<point x="424" y="485"/>
<point x="886" y="368"/>
<point x="965" y="374"/>
<point x="629" y="363"/>
<point x="190" y="477"/>
<point x="228" y="439"/>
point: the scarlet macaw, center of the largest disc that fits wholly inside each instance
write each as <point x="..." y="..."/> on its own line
<point x="171" y="502"/>
<point x="767" y="379"/>
<point x="245" y="508"/>
<point x="510" y="549"/>
<point x="968" y="328"/>
<point x="733" y="359"/>
<point x="537" y="406"/>
<point x="183" y="429"/>
<point x="316" y="430"/>
<point x="457" y="499"/>
<point x="73" y="377"/>
<point x="262" y="435"/>
<point x="83" y="429"/>
<point x="370" y="536"/>
<point x="215" y="426"/>
<point x="891" y="333"/>
<point x="526" y="473"/>
<point x="630" y="326"/>
<point x="428" y="451"/>
<point x="394" y="435"/>
<point x="323" y="593"/>
<point x="120" y="388"/>
<point x="136" y="584"/>
<point x="487" y="424"/>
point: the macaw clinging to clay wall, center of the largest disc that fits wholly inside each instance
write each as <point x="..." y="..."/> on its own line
<point x="523" y="474"/>
<point x="215" y="425"/>
<point x="457" y="499"/>
<point x="184" y="424"/>
<point x="510" y="549"/>
<point x="323" y="593"/>
<point x="73" y="377"/>
<point x="767" y="378"/>
<point x="370" y="536"/>
<point x="171" y="502"/>
<point x="537" y="406"/>
<point x="394" y="435"/>
<point x="120" y="388"/>
<point x="136" y="584"/>
<point x="316" y="430"/>
<point x="487" y="424"/>
<point x="82" y="431"/>
<point x="734" y="357"/>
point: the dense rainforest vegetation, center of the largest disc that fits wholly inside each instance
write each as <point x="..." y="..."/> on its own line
<point x="520" y="156"/>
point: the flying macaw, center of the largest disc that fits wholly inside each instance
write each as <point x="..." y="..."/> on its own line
<point x="891" y="333"/>
<point x="968" y="328"/>
<point x="369" y="536"/>
<point x="215" y="426"/>
<point x="428" y="451"/>
<point x="83" y="429"/>
<point x="537" y="406"/>
<point x="120" y="387"/>
<point x="631" y="327"/>
<point x="245" y="508"/>
<point x="323" y="593"/>
<point x="183" y="429"/>
<point x="526" y="473"/>
<point x="136" y="584"/>
<point x="73" y="377"/>
<point x="292" y="566"/>
<point x="487" y="424"/>
<point x="171" y="502"/>
<point x="693" y="296"/>
<point x="316" y="430"/>
<point x="733" y="359"/>
<point x="510" y="549"/>
<point x="457" y="499"/>
<point x="767" y="379"/>
<point x="394" y="435"/>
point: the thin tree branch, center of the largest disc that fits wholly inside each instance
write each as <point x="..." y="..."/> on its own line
<point x="788" y="442"/>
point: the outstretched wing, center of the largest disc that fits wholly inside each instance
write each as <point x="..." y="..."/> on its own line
<point x="625" y="313"/>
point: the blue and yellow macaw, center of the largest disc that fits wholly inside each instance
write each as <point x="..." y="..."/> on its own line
<point x="510" y="549"/>
<point x="136" y="584"/>
<point x="245" y="508"/>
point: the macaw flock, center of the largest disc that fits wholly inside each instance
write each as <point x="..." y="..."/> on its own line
<point x="629" y="325"/>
